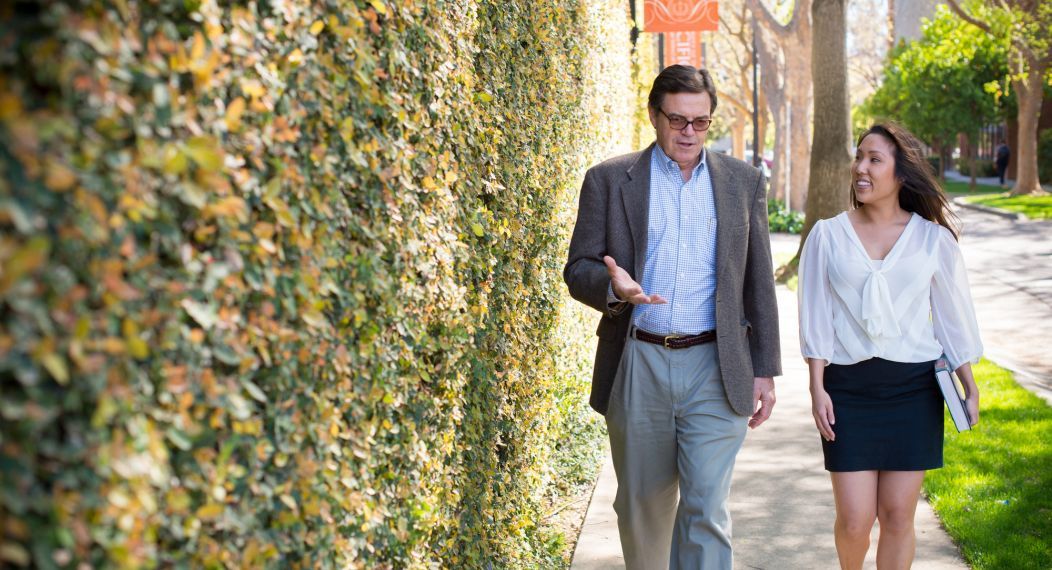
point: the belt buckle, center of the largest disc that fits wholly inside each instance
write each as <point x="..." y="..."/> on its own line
<point x="669" y="337"/>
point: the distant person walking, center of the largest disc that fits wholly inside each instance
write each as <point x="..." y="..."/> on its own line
<point x="671" y="246"/>
<point x="883" y="294"/>
<point x="1001" y="158"/>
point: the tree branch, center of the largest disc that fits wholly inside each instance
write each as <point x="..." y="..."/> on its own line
<point x="766" y="19"/>
<point x="734" y="102"/>
<point x="967" y="18"/>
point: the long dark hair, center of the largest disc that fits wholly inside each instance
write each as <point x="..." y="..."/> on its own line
<point x="920" y="190"/>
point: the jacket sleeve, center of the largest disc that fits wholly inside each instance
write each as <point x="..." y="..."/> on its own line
<point x="760" y="304"/>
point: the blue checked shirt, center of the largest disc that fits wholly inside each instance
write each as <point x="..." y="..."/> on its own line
<point x="681" y="250"/>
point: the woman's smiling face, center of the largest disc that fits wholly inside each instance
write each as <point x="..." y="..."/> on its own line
<point x="873" y="172"/>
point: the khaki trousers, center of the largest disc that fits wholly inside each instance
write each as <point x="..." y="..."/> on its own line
<point x="673" y="438"/>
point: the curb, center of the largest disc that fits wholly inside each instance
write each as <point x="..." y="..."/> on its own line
<point x="1014" y="216"/>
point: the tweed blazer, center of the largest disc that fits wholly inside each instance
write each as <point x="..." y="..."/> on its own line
<point x="612" y="220"/>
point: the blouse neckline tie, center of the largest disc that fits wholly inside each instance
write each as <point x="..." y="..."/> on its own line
<point x="878" y="310"/>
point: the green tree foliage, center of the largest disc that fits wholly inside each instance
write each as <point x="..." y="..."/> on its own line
<point x="279" y="281"/>
<point x="1026" y="25"/>
<point x="947" y="82"/>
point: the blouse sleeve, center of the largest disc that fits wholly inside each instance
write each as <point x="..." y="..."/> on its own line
<point x="815" y="296"/>
<point x="952" y="312"/>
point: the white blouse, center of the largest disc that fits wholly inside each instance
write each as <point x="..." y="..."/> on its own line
<point x="913" y="306"/>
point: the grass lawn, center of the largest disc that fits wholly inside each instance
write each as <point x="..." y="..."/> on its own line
<point x="1035" y="207"/>
<point x="994" y="494"/>
<point x="955" y="188"/>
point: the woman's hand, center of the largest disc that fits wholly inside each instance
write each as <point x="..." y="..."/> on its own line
<point x="972" y="405"/>
<point x="822" y="410"/>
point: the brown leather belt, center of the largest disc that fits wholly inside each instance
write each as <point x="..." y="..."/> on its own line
<point x="675" y="340"/>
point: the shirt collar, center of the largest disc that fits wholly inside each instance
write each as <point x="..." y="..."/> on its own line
<point x="672" y="166"/>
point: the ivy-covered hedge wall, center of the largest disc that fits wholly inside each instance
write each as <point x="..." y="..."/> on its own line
<point x="280" y="280"/>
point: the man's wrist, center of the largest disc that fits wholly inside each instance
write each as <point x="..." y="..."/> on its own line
<point x="611" y="297"/>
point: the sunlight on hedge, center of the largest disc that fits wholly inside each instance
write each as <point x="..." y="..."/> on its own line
<point x="280" y="281"/>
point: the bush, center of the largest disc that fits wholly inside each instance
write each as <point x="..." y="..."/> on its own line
<point x="983" y="168"/>
<point x="281" y="281"/>
<point x="780" y="221"/>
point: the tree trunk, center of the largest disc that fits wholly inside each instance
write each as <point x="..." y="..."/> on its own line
<point x="770" y="78"/>
<point x="891" y="25"/>
<point x="830" y="178"/>
<point x="800" y="141"/>
<point x="1029" y="94"/>
<point x="936" y="148"/>
<point x="785" y="61"/>
<point x="738" y="134"/>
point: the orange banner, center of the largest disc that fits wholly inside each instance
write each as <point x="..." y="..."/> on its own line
<point x="680" y="15"/>
<point x="683" y="48"/>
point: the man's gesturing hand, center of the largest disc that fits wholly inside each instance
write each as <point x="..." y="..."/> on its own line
<point x="626" y="288"/>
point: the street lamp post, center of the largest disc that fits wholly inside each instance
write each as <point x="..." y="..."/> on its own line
<point x="755" y="104"/>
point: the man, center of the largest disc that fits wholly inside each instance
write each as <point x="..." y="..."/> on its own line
<point x="1003" y="155"/>
<point x="671" y="245"/>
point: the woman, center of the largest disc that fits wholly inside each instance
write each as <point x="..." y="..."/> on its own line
<point x="883" y="294"/>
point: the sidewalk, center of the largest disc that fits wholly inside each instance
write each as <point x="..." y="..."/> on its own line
<point x="781" y="499"/>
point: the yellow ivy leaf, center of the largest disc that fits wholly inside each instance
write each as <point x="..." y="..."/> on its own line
<point x="477" y="229"/>
<point x="233" y="114"/>
<point x="136" y="346"/>
<point x="205" y="315"/>
<point x="59" y="177"/>
<point x="296" y="56"/>
<point x="317" y="27"/>
<point x="229" y="207"/>
<point x="314" y="318"/>
<point x="14" y="553"/>
<point x="104" y="411"/>
<point x="347" y="129"/>
<point x="197" y="50"/>
<point x="379" y="7"/>
<point x="10" y="106"/>
<point x="29" y="258"/>
<point x="210" y="511"/>
<point x="82" y="328"/>
<point x="205" y="152"/>
<point x="174" y="162"/>
<point x="252" y="87"/>
<point x="56" y="366"/>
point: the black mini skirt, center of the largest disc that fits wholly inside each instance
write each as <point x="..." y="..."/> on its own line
<point x="888" y="416"/>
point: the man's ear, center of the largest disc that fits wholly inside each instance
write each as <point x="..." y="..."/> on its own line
<point x="652" y="112"/>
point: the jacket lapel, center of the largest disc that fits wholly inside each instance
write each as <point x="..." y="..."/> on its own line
<point x="725" y="205"/>
<point x="635" y="196"/>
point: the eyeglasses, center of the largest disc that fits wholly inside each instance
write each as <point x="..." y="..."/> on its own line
<point x="680" y="123"/>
